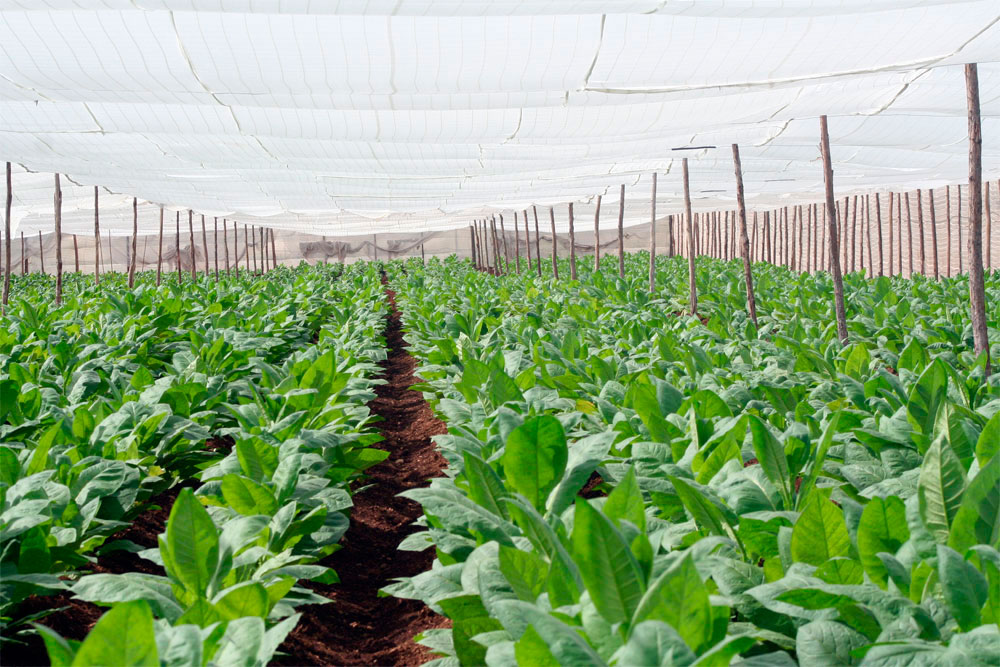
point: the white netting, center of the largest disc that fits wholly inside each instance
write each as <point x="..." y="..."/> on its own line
<point x="395" y="116"/>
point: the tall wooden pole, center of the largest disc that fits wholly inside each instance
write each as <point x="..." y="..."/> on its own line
<point x="274" y="251"/>
<point x="621" y="232"/>
<point x="920" y="231"/>
<point x="899" y="231"/>
<point x="506" y="253"/>
<point x="76" y="255"/>
<point x="947" y="227"/>
<point x="989" y="230"/>
<point x="741" y="212"/>
<point x="6" y="235"/>
<point x="517" y="245"/>
<point x="597" y="235"/>
<point x="958" y="226"/>
<point x="236" y="251"/>
<point x="41" y="252"/>
<point x="24" y="256"/>
<point x="878" y="229"/>
<point x="225" y="244"/>
<point x="472" y="247"/>
<point x="809" y="238"/>
<point x="909" y="234"/>
<point x="854" y="234"/>
<point x="652" y="237"/>
<point x="868" y="236"/>
<point x="58" y="225"/>
<point x="892" y="242"/>
<point x="572" y="245"/>
<point x="692" y="286"/>
<point x="555" y="252"/>
<point x="538" y="241"/>
<point x="977" y="288"/>
<point x="934" y="239"/>
<point x="496" y="243"/>
<point x="253" y="247"/>
<point x="135" y="241"/>
<point x="159" y="251"/>
<point x="375" y="246"/>
<point x="263" y="251"/>
<point x="246" y="246"/>
<point x="838" y="280"/>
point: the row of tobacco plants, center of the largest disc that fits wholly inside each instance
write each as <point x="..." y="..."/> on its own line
<point x="249" y="394"/>
<point x="632" y="485"/>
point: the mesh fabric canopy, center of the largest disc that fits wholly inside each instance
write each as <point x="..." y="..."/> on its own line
<point x="354" y="117"/>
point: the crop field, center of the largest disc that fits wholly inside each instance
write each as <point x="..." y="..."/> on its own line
<point x="324" y="464"/>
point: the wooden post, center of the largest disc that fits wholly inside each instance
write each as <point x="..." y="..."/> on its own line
<point x="263" y="251"/>
<point x="215" y="244"/>
<point x="652" y="237"/>
<point x="947" y="228"/>
<point x="854" y="233"/>
<point x="934" y="239"/>
<point x="97" y="242"/>
<point x="375" y="246"/>
<point x="236" y="250"/>
<point x="692" y="286"/>
<point x="135" y="241"/>
<point x="838" y="281"/>
<point x="6" y="235"/>
<point x="753" y="241"/>
<point x="909" y="234"/>
<point x="517" y="245"/>
<point x="41" y="252"/>
<point x="809" y="238"/>
<point x="555" y="252"/>
<point x="506" y="253"/>
<point x="621" y="232"/>
<point x="496" y="244"/>
<point x="225" y="244"/>
<point x="958" y="227"/>
<point x="423" y="259"/>
<point x="597" y="235"/>
<point x="253" y="248"/>
<point x="194" y="263"/>
<point x="977" y="288"/>
<point x="472" y="247"/>
<point x="159" y="251"/>
<point x="246" y="246"/>
<point x="920" y="231"/>
<point x="741" y="212"/>
<point x="878" y="228"/>
<point x="24" y="256"/>
<point x="177" y="248"/>
<point x="892" y="268"/>
<point x="899" y="231"/>
<point x="76" y="255"/>
<point x="572" y="245"/>
<point x="274" y="250"/>
<point x="58" y="225"/>
<point x="868" y="235"/>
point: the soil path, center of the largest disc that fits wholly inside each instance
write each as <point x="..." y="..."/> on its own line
<point x="358" y="627"/>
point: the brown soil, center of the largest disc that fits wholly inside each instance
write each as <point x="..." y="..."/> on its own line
<point x="357" y="627"/>
<point x="590" y="489"/>
<point x="74" y="618"/>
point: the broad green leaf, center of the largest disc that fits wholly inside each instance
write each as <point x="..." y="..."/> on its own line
<point x="939" y="489"/>
<point x="247" y="496"/>
<point x="654" y="644"/>
<point x="534" y="458"/>
<point x="978" y="518"/>
<point x="771" y="456"/>
<point x="882" y="529"/>
<point x="609" y="570"/>
<point x="625" y="502"/>
<point x="820" y="532"/>
<point x="123" y="637"/>
<point x="526" y="572"/>
<point x="246" y="599"/>
<point x="679" y="598"/>
<point x="989" y="440"/>
<point x="485" y="486"/>
<point x="531" y="649"/>
<point x="964" y="587"/>
<point x="192" y="544"/>
<point x="926" y="396"/>
<point x="823" y="643"/>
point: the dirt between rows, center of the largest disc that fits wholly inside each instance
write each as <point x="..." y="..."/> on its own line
<point x="357" y="627"/>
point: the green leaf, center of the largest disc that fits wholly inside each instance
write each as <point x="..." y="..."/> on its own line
<point x="60" y="651"/>
<point x="841" y="571"/>
<point x="191" y="548"/>
<point x="771" y="456"/>
<point x="820" y="532"/>
<point x="625" y="502"/>
<point x="926" y="396"/>
<point x="679" y="598"/>
<point x="247" y="496"/>
<point x="526" y="572"/>
<point x="964" y="587"/>
<point x="654" y="644"/>
<point x="531" y="649"/>
<point x="642" y="398"/>
<point x="882" y="529"/>
<point x="978" y="518"/>
<point x="535" y="457"/>
<point x="822" y="643"/>
<point x="610" y="572"/>
<point x="485" y="486"/>
<point x="989" y="440"/>
<point x="123" y="637"/>
<point x="246" y="599"/>
<point x="939" y="489"/>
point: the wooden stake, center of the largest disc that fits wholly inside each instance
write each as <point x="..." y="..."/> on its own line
<point x="854" y="234"/>
<point x="253" y="248"/>
<point x="934" y="239"/>
<point x="135" y="241"/>
<point x="472" y="247"/>
<point x="41" y="253"/>
<point x="989" y="230"/>
<point x="692" y="286"/>
<point x="555" y="252"/>
<point x="274" y="251"/>
<point x="246" y="247"/>
<point x="878" y="229"/>
<point x="899" y="231"/>
<point x="753" y="241"/>
<point x="375" y="246"/>
<point x="236" y="251"/>
<point x="621" y="232"/>
<point x="809" y="238"/>
<point x="263" y="252"/>
<point x="225" y="244"/>
<point x="6" y="235"/>
<point x="868" y="236"/>
<point x="958" y="226"/>
<point x="909" y="234"/>
<point x="58" y="226"/>
<point x="597" y="235"/>
<point x="838" y="281"/>
<point x="24" y="256"/>
<point x="977" y="288"/>
<point x="527" y="240"/>
<point x="76" y="255"/>
<point x="920" y="231"/>
<point x="204" y="243"/>
<point x="506" y="253"/>
<point x="741" y="212"/>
